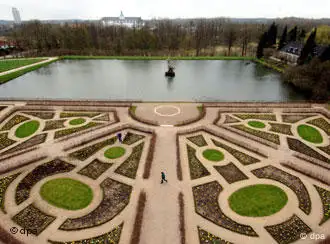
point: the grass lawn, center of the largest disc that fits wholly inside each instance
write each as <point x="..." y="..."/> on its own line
<point x="13" y="75"/>
<point x="258" y="200"/>
<point x="213" y="155"/>
<point x="77" y="121"/>
<point x="27" y="129"/>
<point x="310" y="134"/>
<point x="67" y="193"/>
<point x="114" y="152"/>
<point x="6" y="65"/>
<point x="256" y="124"/>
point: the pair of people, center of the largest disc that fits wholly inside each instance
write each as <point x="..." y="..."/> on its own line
<point x="119" y="136"/>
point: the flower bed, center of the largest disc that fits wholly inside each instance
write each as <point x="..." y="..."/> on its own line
<point x="35" y="140"/>
<point x="95" y="169"/>
<point x="231" y="173"/>
<point x="241" y="157"/>
<point x="206" y="204"/>
<point x="79" y="114"/>
<point x="208" y="238"/>
<point x="130" y="166"/>
<point x="197" y="169"/>
<point x="41" y="114"/>
<point x="289" y="231"/>
<point x="291" y="181"/>
<point x="281" y="128"/>
<point x="300" y="147"/>
<point x="103" y="118"/>
<point x="322" y="124"/>
<point x="181" y="218"/>
<point x="53" y="167"/>
<point x="17" y="119"/>
<point x="131" y="138"/>
<point x="150" y="157"/>
<point x="33" y="219"/>
<point x="86" y="152"/>
<point x="111" y="237"/>
<point x="116" y="197"/>
<point x="54" y="124"/>
<point x="198" y="140"/>
<point x="5" y="141"/>
<point x="325" y="198"/>
<point x="66" y="132"/>
<point x="271" y="117"/>
<point x="293" y="118"/>
<point x="264" y="135"/>
<point x="136" y="233"/>
<point x="229" y="119"/>
<point x="4" y="183"/>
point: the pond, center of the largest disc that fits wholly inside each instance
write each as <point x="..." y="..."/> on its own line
<point x="195" y="80"/>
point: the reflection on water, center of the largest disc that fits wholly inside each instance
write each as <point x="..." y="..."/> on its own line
<point x="203" y="80"/>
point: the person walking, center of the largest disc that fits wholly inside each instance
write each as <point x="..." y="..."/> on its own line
<point x="163" y="178"/>
<point x="119" y="137"/>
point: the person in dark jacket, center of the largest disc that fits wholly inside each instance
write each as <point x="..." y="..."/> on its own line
<point x="119" y="137"/>
<point x="163" y="178"/>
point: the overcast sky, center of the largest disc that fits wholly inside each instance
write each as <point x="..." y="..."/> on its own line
<point x="95" y="9"/>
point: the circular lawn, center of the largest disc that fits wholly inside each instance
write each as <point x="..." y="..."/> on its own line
<point x="256" y="124"/>
<point x="213" y="155"/>
<point x="27" y="129"/>
<point x="114" y="152"/>
<point x="67" y="193"/>
<point x="77" y="121"/>
<point x="310" y="134"/>
<point x="258" y="200"/>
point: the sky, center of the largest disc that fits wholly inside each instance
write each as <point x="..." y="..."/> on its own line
<point x="96" y="9"/>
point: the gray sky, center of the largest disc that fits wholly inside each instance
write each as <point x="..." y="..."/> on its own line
<point x="95" y="9"/>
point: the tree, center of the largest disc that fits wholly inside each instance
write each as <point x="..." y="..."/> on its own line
<point x="261" y="45"/>
<point x="307" y="51"/>
<point x="230" y="37"/>
<point x="283" y="40"/>
<point x="325" y="56"/>
<point x="271" y="35"/>
<point x="302" y="35"/>
<point x="246" y="37"/>
<point x="292" y="36"/>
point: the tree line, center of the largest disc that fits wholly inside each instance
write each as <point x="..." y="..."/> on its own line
<point x="158" y="37"/>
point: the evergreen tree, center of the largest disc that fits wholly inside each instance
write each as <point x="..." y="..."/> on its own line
<point x="307" y="51"/>
<point x="302" y="35"/>
<point x="271" y="35"/>
<point x="325" y="56"/>
<point x="292" y="37"/>
<point x="262" y="45"/>
<point x="283" y="40"/>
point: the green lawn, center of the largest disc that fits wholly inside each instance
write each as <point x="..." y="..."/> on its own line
<point x="6" y="65"/>
<point x="67" y="193"/>
<point x="213" y="155"/>
<point x="13" y="75"/>
<point x="27" y="129"/>
<point x="258" y="200"/>
<point x="77" y="121"/>
<point x="310" y="134"/>
<point x="256" y="124"/>
<point x="114" y="152"/>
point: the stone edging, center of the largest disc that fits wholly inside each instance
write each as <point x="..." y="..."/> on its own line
<point x="144" y="121"/>
<point x="258" y="104"/>
<point x="21" y="164"/>
<point x="200" y="116"/>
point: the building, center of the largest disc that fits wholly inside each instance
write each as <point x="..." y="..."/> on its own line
<point x="291" y="52"/>
<point x="17" y="16"/>
<point x="123" y="21"/>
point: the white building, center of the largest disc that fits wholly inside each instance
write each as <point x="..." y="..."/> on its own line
<point x="17" y="16"/>
<point x="123" y="21"/>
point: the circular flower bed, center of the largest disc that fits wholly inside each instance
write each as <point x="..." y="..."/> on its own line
<point x="310" y="134"/>
<point x="213" y="155"/>
<point x="78" y="121"/>
<point x="258" y="200"/>
<point x="256" y="124"/>
<point x="27" y="129"/>
<point x="67" y="193"/>
<point x="114" y="152"/>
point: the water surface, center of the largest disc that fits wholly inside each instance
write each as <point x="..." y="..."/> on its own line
<point x="196" y="80"/>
